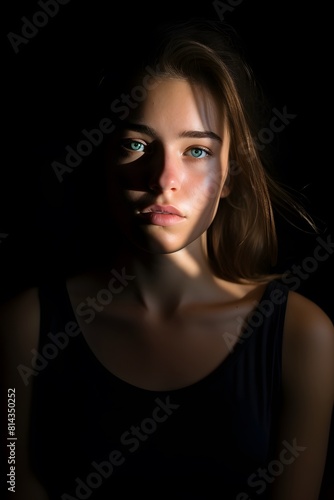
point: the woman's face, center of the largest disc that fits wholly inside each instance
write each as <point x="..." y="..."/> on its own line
<point x="167" y="167"/>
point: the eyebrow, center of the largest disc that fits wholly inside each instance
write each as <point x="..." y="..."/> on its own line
<point x="195" y="134"/>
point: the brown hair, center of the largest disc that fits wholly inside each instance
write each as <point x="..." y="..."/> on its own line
<point x="242" y="239"/>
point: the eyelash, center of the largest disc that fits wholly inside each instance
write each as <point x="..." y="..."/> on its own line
<point x="197" y="148"/>
<point x="126" y="143"/>
<point x="126" y="146"/>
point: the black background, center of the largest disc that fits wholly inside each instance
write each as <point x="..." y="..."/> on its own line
<point x="46" y="89"/>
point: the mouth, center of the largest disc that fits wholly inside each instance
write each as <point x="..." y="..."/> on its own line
<point x="161" y="215"/>
<point x="161" y="209"/>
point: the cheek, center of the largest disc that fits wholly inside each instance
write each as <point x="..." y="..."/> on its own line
<point x="206" y="193"/>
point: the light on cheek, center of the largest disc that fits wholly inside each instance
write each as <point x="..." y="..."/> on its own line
<point x="213" y="185"/>
<point x="214" y="190"/>
<point x="208" y="191"/>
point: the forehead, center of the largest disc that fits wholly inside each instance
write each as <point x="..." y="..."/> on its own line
<point x="178" y="101"/>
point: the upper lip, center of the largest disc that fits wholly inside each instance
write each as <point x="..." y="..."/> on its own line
<point x="163" y="209"/>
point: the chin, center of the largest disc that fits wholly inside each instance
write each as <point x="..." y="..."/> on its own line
<point x="156" y="246"/>
<point x="159" y="242"/>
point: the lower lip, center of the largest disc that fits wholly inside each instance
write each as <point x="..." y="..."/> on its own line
<point x="157" y="219"/>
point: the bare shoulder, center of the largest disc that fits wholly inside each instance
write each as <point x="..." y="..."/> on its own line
<point x="308" y="397"/>
<point x="308" y="350"/>
<point x="23" y="299"/>
<point x="20" y="316"/>
<point x="308" y="340"/>
<point x="19" y="335"/>
<point x="307" y="325"/>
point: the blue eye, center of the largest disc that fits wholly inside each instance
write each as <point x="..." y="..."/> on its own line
<point x="198" y="152"/>
<point x="135" y="146"/>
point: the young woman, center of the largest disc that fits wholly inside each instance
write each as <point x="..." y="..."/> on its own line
<point x="183" y="366"/>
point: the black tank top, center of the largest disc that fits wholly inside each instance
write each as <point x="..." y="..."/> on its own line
<point x="95" y="436"/>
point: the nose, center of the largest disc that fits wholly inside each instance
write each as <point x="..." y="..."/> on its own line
<point x="166" y="172"/>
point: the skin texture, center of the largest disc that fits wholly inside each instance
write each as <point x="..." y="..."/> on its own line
<point x="164" y="331"/>
<point x="159" y="162"/>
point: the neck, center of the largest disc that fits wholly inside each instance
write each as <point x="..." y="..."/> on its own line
<point x="164" y="283"/>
